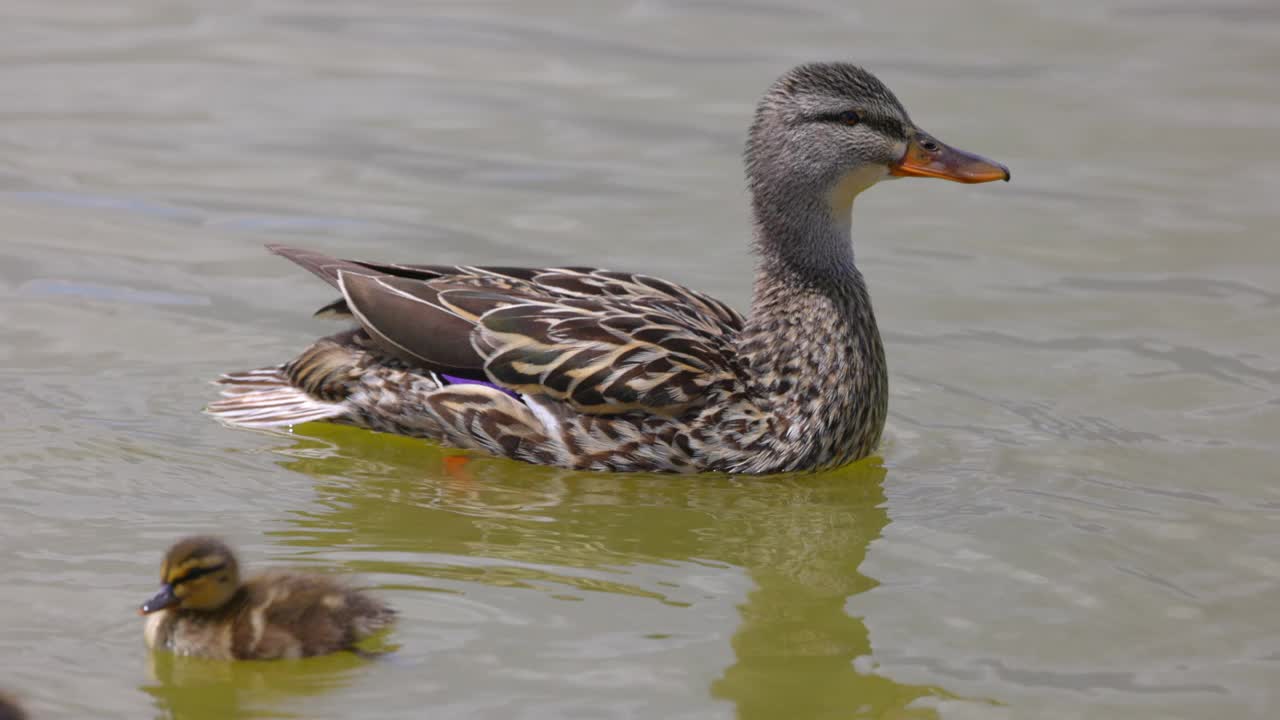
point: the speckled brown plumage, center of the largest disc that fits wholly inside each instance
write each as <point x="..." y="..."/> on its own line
<point x="591" y="369"/>
<point x="204" y="610"/>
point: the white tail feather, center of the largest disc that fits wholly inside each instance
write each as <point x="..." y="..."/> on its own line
<point x="264" y="398"/>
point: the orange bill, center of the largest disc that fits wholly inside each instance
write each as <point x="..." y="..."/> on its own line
<point x="927" y="157"/>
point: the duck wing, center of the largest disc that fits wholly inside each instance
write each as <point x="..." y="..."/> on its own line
<point x="604" y="342"/>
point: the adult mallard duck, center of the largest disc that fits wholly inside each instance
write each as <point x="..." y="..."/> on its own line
<point x="591" y="369"/>
<point x="203" y="609"/>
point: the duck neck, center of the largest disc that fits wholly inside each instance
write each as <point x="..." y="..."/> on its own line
<point x="811" y="346"/>
<point x="803" y="232"/>
<point x="811" y="248"/>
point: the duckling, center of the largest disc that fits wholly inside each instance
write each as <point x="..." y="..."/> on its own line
<point x="10" y="709"/>
<point x="204" y="609"/>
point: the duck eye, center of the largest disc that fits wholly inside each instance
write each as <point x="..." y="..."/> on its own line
<point x="850" y="117"/>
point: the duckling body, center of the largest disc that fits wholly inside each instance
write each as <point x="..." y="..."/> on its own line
<point x="204" y="610"/>
<point x="598" y="370"/>
<point x="10" y="709"/>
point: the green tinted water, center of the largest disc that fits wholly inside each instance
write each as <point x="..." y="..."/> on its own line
<point x="1075" y="513"/>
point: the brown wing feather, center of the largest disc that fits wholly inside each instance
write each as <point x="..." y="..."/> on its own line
<point x="547" y="283"/>
<point x="605" y="342"/>
<point x="407" y="319"/>
<point x="605" y="356"/>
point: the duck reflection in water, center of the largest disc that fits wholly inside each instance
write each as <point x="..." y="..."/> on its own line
<point x="800" y="540"/>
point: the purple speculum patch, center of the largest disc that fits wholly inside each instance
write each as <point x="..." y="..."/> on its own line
<point x="455" y="380"/>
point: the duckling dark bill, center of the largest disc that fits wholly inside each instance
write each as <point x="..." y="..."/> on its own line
<point x="161" y="600"/>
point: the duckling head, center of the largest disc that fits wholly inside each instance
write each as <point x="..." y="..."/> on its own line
<point x="198" y="573"/>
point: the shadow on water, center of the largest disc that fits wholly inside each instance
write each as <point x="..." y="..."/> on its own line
<point x="473" y="519"/>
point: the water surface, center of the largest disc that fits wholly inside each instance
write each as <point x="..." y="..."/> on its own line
<point x="1075" y="513"/>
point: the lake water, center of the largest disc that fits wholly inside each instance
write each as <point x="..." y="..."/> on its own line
<point x="1076" y="510"/>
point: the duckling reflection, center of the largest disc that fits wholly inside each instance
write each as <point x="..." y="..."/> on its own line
<point x="800" y="540"/>
<point x="204" y="610"/>
<point x="196" y="688"/>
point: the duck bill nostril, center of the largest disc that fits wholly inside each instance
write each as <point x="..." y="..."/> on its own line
<point x="927" y="157"/>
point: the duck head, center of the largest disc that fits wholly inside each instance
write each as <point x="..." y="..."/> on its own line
<point x="825" y="132"/>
